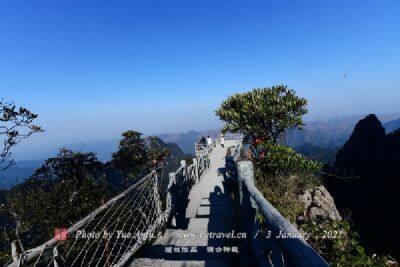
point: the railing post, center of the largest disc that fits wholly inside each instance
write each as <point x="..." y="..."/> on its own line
<point x="55" y="256"/>
<point x="257" y="246"/>
<point x="196" y="169"/>
<point x="183" y="163"/>
<point x="16" y="250"/>
<point x="247" y="204"/>
<point x="185" y="176"/>
<point x="156" y="196"/>
<point x="171" y="198"/>
<point x="201" y="165"/>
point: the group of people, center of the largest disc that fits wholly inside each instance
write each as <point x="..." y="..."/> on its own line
<point x="208" y="141"/>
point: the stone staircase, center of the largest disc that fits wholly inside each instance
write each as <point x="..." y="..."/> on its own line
<point x="210" y="211"/>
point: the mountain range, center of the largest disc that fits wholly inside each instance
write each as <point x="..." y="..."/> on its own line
<point x="392" y="125"/>
<point x="317" y="136"/>
<point x="18" y="172"/>
<point x="186" y="140"/>
<point x="333" y="133"/>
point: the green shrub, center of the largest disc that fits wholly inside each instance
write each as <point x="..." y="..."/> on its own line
<point x="263" y="113"/>
<point x="339" y="245"/>
<point x="282" y="160"/>
<point x="263" y="116"/>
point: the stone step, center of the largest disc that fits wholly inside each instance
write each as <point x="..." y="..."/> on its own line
<point x="211" y="225"/>
<point x="227" y="211"/>
<point x="145" y="262"/>
<point x="222" y="201"/>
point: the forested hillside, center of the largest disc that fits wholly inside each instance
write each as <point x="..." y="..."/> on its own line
<point x="317" y="153"/>
<point x="39" y="205"/>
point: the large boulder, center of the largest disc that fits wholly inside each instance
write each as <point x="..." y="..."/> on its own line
<point x="319" y="205"/>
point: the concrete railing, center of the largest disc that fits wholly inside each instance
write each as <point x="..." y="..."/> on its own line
<point x="181" y="181"/>
<point x="233" y="136"/>
<point x="266" y="245"/>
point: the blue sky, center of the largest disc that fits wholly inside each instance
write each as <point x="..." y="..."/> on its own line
<point x="92" y="69"/>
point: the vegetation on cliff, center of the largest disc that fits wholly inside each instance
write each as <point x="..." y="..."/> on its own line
<point x="263" y="116"/>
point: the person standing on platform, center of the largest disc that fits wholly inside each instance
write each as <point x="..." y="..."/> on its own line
<point x="209" y="141"/>
<point x="203" y="141"/>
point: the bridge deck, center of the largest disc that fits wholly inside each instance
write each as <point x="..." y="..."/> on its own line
<point x="209" y="210"/>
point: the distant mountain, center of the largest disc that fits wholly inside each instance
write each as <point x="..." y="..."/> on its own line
<point x="392" y="125"/>
<point x="317" y="153"/>
<point x="332" y="133"/>
<point x="175" y="149"/>
<point x="18" y="173"/>
<point x="24" y="169"/>
<point x="186" y="140"/>
<point x="172" y="163"/>
<point x="369" y="166"/>
<point x="102" y="148"/>
<point x="327" y="134"/>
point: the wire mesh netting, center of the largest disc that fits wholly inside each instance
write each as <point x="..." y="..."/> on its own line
<point x="111" y="234"/>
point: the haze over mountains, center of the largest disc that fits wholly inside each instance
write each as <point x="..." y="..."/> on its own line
<point x="18" y="173"/>
<point x="186" y="140"/>
<point x="392" y="125"/>
<point x="321" y="137"/>
<point x="333" y="132"/>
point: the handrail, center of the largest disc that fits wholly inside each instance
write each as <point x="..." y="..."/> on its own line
<point x="293" y="250"/>
<point x="301" y="253"/>
<point x="183" y="178"/>
<point x="233" y="136"/>
<point x="32" y="254"/>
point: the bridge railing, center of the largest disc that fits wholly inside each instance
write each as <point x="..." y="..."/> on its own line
<point x="274" y="241"/>
<point x="111" y="234"/>
<point x="233" y="136"/>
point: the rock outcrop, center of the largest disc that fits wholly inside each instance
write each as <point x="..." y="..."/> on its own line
<point x="319" y="205"/>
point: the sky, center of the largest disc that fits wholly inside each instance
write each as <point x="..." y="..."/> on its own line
<point x="92" y="69"/>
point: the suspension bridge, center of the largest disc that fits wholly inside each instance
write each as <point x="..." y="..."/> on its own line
<point x="204" y="214"/>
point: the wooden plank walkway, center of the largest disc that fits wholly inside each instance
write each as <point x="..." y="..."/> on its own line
<point x="210" y="210"/>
